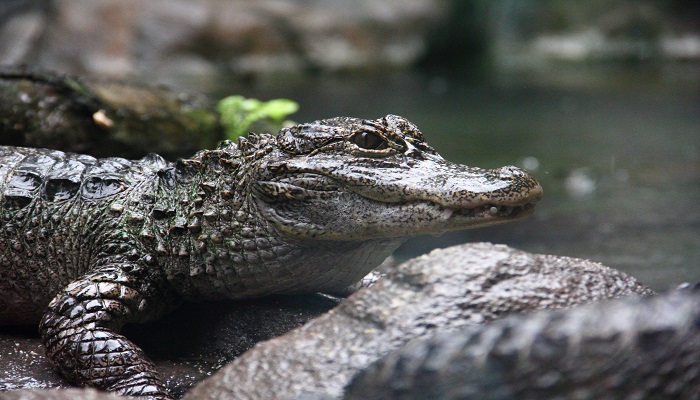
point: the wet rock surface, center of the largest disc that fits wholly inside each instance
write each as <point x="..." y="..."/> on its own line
<point x="187" y="345"/>
<point x="60" y="394"/>
<point x="23" y="361"/>
<point x="446" y="289"/>
<point x="633" y="348"/>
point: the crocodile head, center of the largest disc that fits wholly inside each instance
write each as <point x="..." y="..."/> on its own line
<point x="356" y="179"/>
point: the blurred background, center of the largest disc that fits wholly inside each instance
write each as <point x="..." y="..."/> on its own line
<point x="599" y="99"/>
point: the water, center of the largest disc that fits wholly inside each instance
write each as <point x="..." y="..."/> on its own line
<point x="617" y="151"/>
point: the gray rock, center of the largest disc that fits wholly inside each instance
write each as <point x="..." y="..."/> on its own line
<point x="634" y="348"/>
<point x="446" y="289"/>
<point x="173" y="39"/>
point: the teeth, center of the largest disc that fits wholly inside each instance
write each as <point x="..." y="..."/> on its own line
<point x="447" y="213"/>
<point x="481" y="210"/>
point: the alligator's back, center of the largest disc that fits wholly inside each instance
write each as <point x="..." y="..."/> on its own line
<point x="54" y="212"/>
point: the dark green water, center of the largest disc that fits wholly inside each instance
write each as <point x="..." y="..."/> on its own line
<point x="617" y="152"/>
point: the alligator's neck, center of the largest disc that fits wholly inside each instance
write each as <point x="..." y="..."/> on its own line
<point x="213" y="242"/>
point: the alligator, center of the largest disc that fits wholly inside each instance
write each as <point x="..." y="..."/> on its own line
<point x="88" y="245"/>
<point x="630" y="348"/>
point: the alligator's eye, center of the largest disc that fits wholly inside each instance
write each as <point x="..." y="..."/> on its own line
<point x="369" y="141"/>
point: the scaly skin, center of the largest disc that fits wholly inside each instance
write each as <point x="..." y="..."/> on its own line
<point x="87" y="245"/>
<point x="632" y="348"/>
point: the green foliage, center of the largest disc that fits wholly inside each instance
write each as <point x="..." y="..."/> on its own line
<point x="238" y="114"/>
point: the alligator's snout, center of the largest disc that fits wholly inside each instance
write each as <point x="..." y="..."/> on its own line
<point x="511" y="172"/>
<point x="459" y="187"/>
<point x="522" y="182"/>
<point x="476" y="197"/>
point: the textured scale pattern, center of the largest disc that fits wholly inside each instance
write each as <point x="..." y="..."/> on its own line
<point x="80" y="327"/>
<point x="51" y="205"/>
<point x="634" y="348"/>
<point x="87" y="245"/>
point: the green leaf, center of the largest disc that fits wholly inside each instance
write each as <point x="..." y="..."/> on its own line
<point x="238" y="113"/>
<point x="279" y="109"/>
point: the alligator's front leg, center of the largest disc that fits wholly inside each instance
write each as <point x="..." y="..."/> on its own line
<point x="79" y="330"/>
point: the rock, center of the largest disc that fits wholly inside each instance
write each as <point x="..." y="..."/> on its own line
<point x="170" y="39"/>
<point x="542" y="35"/>
<point x="61" y="394"/>
<point x="446" y="289"/>
<point x="23" y="363"/>
<point x="187" y="345"/>
<point x="634" y="348"/>
<point x="50" y="110"/>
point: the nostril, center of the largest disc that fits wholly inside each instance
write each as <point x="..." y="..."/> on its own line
<point x="510" y="172"/>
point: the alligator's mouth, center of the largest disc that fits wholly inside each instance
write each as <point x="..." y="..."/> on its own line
<point x="489" y="211"/>
<point x="322" y="206"/>
<point x="455" y="214"/>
